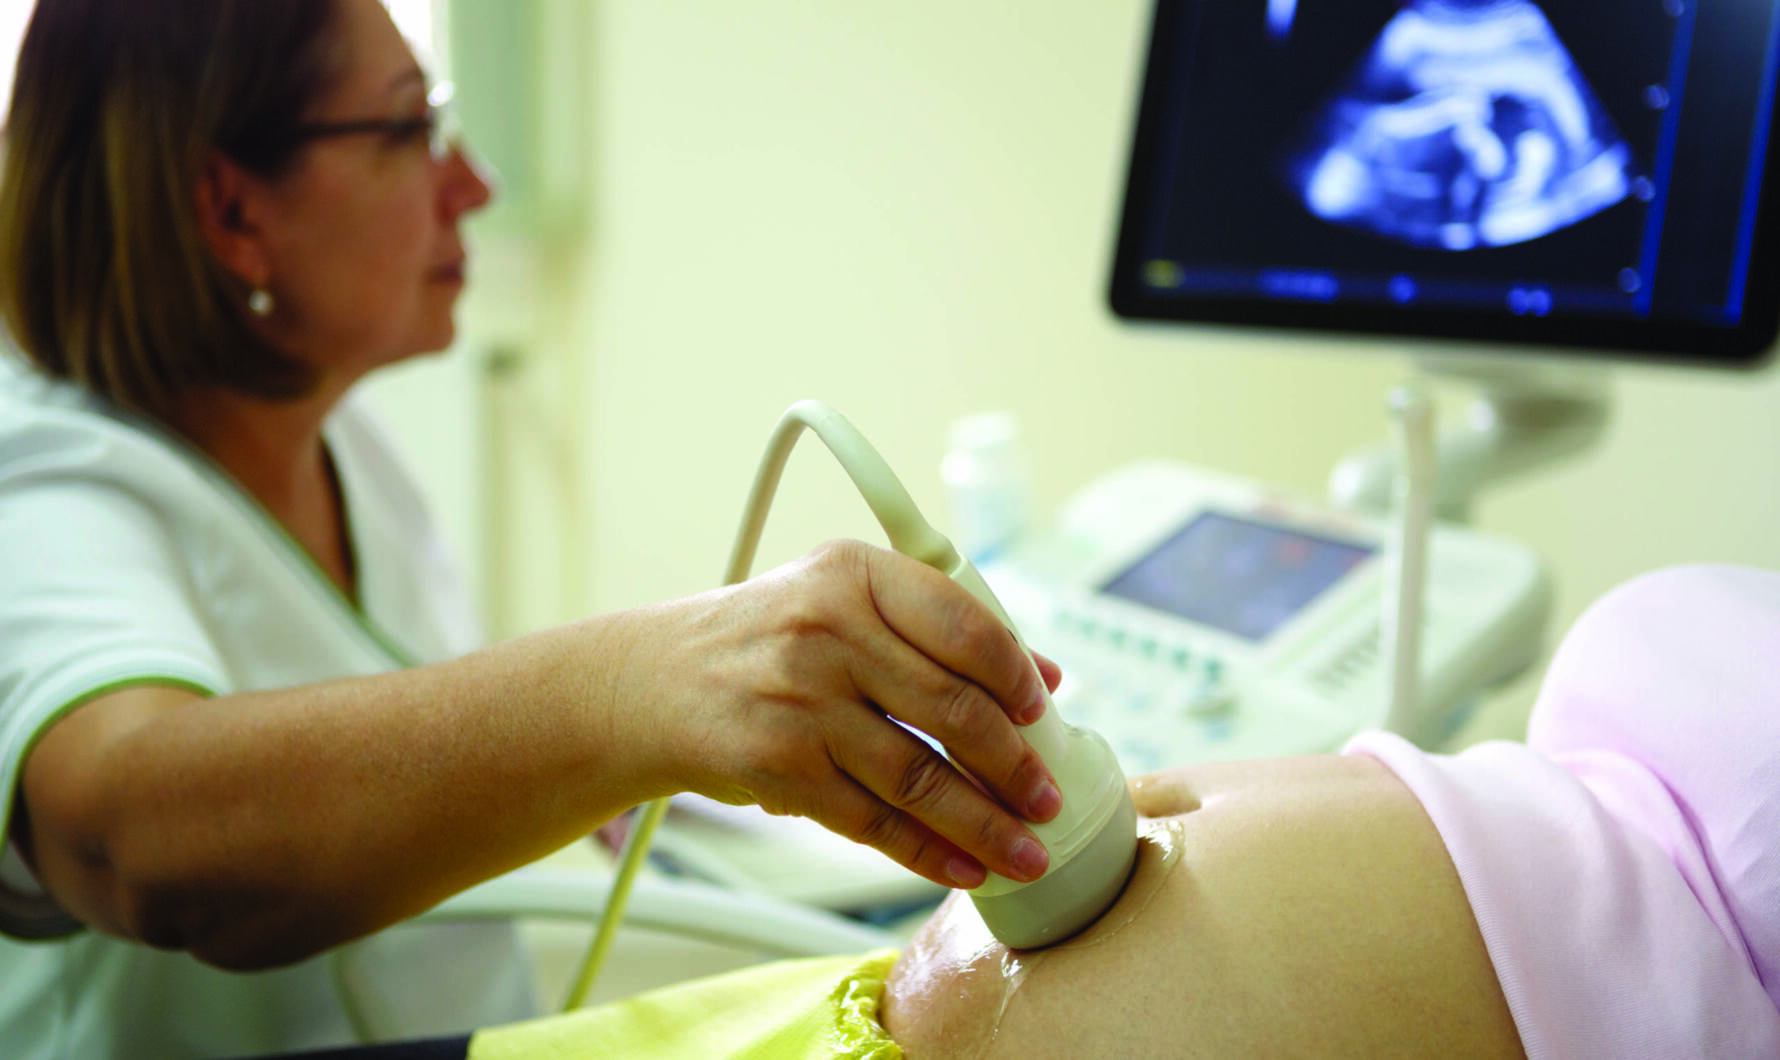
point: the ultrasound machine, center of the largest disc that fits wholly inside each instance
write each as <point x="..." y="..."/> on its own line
<point x="1521" y="194"/>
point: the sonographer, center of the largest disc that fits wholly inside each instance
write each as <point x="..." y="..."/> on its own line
<point x="243" y="719"/>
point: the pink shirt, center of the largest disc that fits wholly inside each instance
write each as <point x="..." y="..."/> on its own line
<point x="1624" y="864"/>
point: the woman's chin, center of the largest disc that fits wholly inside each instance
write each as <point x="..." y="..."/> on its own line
<point x="435" y="339"/>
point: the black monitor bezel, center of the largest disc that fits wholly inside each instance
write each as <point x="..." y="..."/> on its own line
<point x="1750" y="344"/>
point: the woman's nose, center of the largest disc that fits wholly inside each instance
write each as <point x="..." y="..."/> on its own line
<point x="469" y="183"/>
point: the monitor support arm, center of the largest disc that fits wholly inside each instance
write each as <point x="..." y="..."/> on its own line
<point x="1524" y="416"/>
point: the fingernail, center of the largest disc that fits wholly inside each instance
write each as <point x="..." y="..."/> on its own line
<point x="1030" y="859"/>
<point x="1046" y="801"/>
<point x="966" y="873"/>
<point x="1033" y="711"/>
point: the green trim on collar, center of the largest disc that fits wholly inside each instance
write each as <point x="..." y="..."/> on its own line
<point x="276" y="531"/>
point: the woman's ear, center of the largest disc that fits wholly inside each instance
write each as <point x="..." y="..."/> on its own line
<point x="228" y="204"/>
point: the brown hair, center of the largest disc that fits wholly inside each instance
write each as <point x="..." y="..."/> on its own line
<point x="105" y="278"/>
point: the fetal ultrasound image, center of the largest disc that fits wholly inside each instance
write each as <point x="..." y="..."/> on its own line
<point x="1481" y="140"/>
<point x="1467" y="124"/>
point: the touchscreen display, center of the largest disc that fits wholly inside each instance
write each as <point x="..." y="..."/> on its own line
<point x="1243" y="577"/>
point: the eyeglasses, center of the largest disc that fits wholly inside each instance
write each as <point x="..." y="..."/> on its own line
<point x="437" y="128"/>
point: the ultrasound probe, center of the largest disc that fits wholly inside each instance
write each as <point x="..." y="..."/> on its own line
<point x="1093" y="839"/>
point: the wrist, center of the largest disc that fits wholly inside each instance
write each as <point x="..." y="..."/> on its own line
<point x="639" y="725"/>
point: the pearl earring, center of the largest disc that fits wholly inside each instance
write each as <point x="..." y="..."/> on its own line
<point x="259" y="303"/>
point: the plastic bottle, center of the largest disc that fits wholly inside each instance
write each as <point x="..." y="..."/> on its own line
<point x="988" y="481"/>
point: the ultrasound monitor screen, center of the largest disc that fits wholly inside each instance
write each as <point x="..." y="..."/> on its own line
<point x="1590" y="173"/>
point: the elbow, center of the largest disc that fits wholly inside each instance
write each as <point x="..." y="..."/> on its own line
<point x="169" y="917"/>
<point x="225" y="928"/>
<point x="206" y="899"/>
<point x="244" y="945"/>
<point x="230" y="956"/>
<point x="231" y="911"/>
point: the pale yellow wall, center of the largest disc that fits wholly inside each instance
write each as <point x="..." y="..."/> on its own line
<point x="906" y="210"/>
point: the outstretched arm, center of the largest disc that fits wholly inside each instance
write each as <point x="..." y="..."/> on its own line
<point x="257" y="829"/>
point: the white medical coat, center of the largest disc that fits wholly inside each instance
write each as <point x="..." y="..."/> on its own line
<point x="127" y="555"/>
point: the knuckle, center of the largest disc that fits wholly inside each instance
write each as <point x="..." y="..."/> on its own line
<point x="824" y="587"/>
<point x="981" y="638"/>
<point x="965" y="716"/>
<point x="926" y="856"/>
<point x="989" y="834"/>
<point x="1029" y="769"/>
<point x="882" y="828"/>
<point x="842" y="549"/>
<point x="922" y="782"/>
<point x="798" y="637"/>
<point x="840" y="556"/>
<point x="974" y="629"/>
<point x="807" y="608"/>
